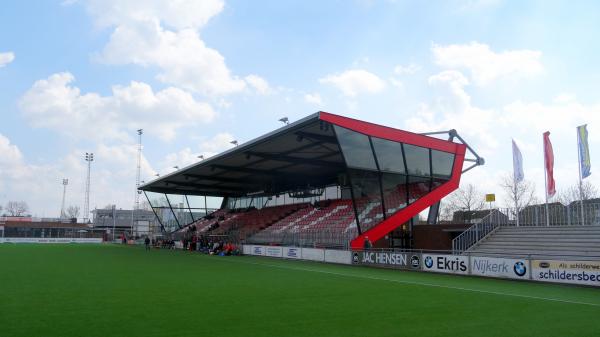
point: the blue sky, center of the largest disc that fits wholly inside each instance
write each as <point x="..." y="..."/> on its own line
<point x="80" y="76"/>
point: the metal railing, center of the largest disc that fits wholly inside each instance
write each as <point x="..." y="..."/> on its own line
<point x="530" y="216"/>
<point x="305" y="238"/>
<point x="477" y="232"/>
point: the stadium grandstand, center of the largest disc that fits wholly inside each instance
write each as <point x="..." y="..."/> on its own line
<point x="325" y="180"/>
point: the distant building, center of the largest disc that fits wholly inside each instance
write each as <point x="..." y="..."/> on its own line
<point x="144" y="221"/>
<point x="460" y="217"/>
<point x="32" y="227"/>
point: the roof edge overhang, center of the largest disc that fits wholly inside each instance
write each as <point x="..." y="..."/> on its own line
<point x="367" y="128"/>
<point x="241" y="148"/>
<point x="389" y="133"/>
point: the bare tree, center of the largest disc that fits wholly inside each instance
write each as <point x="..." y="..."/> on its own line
<point x="72" y="212"/>
<point x="573" y="193"/>
<point x="519" y="194"/>
<point x="17" y="208"/>
<point x="467" y="198"/>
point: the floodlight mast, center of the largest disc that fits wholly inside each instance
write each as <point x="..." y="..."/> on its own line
<point x="136" y="205"/>
<point x="65" y="182"/>
<point x="89" y="158"/>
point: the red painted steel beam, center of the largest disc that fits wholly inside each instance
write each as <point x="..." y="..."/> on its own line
<point x="404" y="215"/>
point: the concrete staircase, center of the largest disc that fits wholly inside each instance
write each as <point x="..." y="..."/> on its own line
<point x="543" y="242"/>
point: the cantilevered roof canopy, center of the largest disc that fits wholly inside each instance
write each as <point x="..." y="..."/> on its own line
<point x="300" y="155"/>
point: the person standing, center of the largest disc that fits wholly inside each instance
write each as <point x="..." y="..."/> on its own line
<point x="367" y="244"/>
<point x="147" y="243"/>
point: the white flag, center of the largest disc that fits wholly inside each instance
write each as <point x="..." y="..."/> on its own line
<point x="517" y="163"/>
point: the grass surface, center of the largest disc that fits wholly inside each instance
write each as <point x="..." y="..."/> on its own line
<point x="104" y="290"/>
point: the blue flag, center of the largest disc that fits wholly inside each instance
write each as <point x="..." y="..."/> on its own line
<point x="584" y="151"/>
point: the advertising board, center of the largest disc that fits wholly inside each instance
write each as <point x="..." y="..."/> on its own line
<point x="575" y="272"/>
<point x="500" y="267"/>
<point x="273" y="251"/>
<point x="51" y="240"/>
<point x="388" y="259"/>
<point x="338" y="256"/>
<point x="258" y="250"/>
<point x="292" y="252"/>
<point x="313" y="254"/>
<point x="441" y="263"/>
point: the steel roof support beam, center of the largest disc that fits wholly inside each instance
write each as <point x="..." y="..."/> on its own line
<point x="294" y="160"/>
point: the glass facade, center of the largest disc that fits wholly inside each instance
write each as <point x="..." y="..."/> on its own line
<point x="175" y="211"/>
<point x="386" y="176"/>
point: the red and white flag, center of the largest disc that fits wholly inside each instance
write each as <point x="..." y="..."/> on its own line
<point x="549" y="163"/>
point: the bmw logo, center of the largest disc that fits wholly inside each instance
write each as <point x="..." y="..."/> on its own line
<point x="429" y="262"/>
<point x="520" y="268"/>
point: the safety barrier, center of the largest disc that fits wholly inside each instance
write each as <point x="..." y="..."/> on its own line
<point x="50" y="240"/>
<point x="556" y="269"/>
<point x="311" y="254"/>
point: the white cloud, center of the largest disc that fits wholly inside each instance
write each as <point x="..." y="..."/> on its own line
<point x="216" y="144"/>
<point x="354" y="82"/>
<point x="489" y="131"/>
<point x="452" y="108"/>
<point x="313" y="98"/>
<point x="54" y="103"/>
<point x="485" y="65"/>
<point x="186" y="156"/>
<point x="165" y="34"/>
<point x="177" y="14"/>
<point x="6" y="58"/>
<point x="406" y="70"/>
<point x="259" y="84"/>
<point x="10" y="152"/>
<point x="112" y="177"/>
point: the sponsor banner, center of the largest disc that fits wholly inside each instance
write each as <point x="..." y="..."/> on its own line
<point x="454" y="264"/>
<point x="50" y="240"/>
<point x="498" y="267"/>
<point x="388" y="259"/>
<point x="273" y="251"/>
<point x="246" y="249"/>
<point x="258" y="250"/>
<point x="338" y="256"/>
<point x="576" y="272"/>
<point x="313" y="254"/>
<point x="292" y="252"/>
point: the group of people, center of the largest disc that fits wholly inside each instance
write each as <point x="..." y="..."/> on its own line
<point x="165" y="243"/>
<point x="209" y="245"/>
<point x="192" y="241"/>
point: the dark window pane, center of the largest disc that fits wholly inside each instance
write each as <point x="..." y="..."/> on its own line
<point x="417" y="160"/>
<point x="442" y="163"/>
<point x="394" y="192"/>
<point x="356" y="149"/>
<point x="367" y="196"/>
<point x="417" y="187"/>
<point x="437" y="182"/>
<point x="389" y="155"/>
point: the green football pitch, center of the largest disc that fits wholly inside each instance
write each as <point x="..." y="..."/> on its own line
<point x="109" y="290"/>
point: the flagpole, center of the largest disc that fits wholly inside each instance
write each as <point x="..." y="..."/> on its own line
<point x="546" y="182"/>
<point x="516" y="203"/>
<point x="580" y="179"/>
